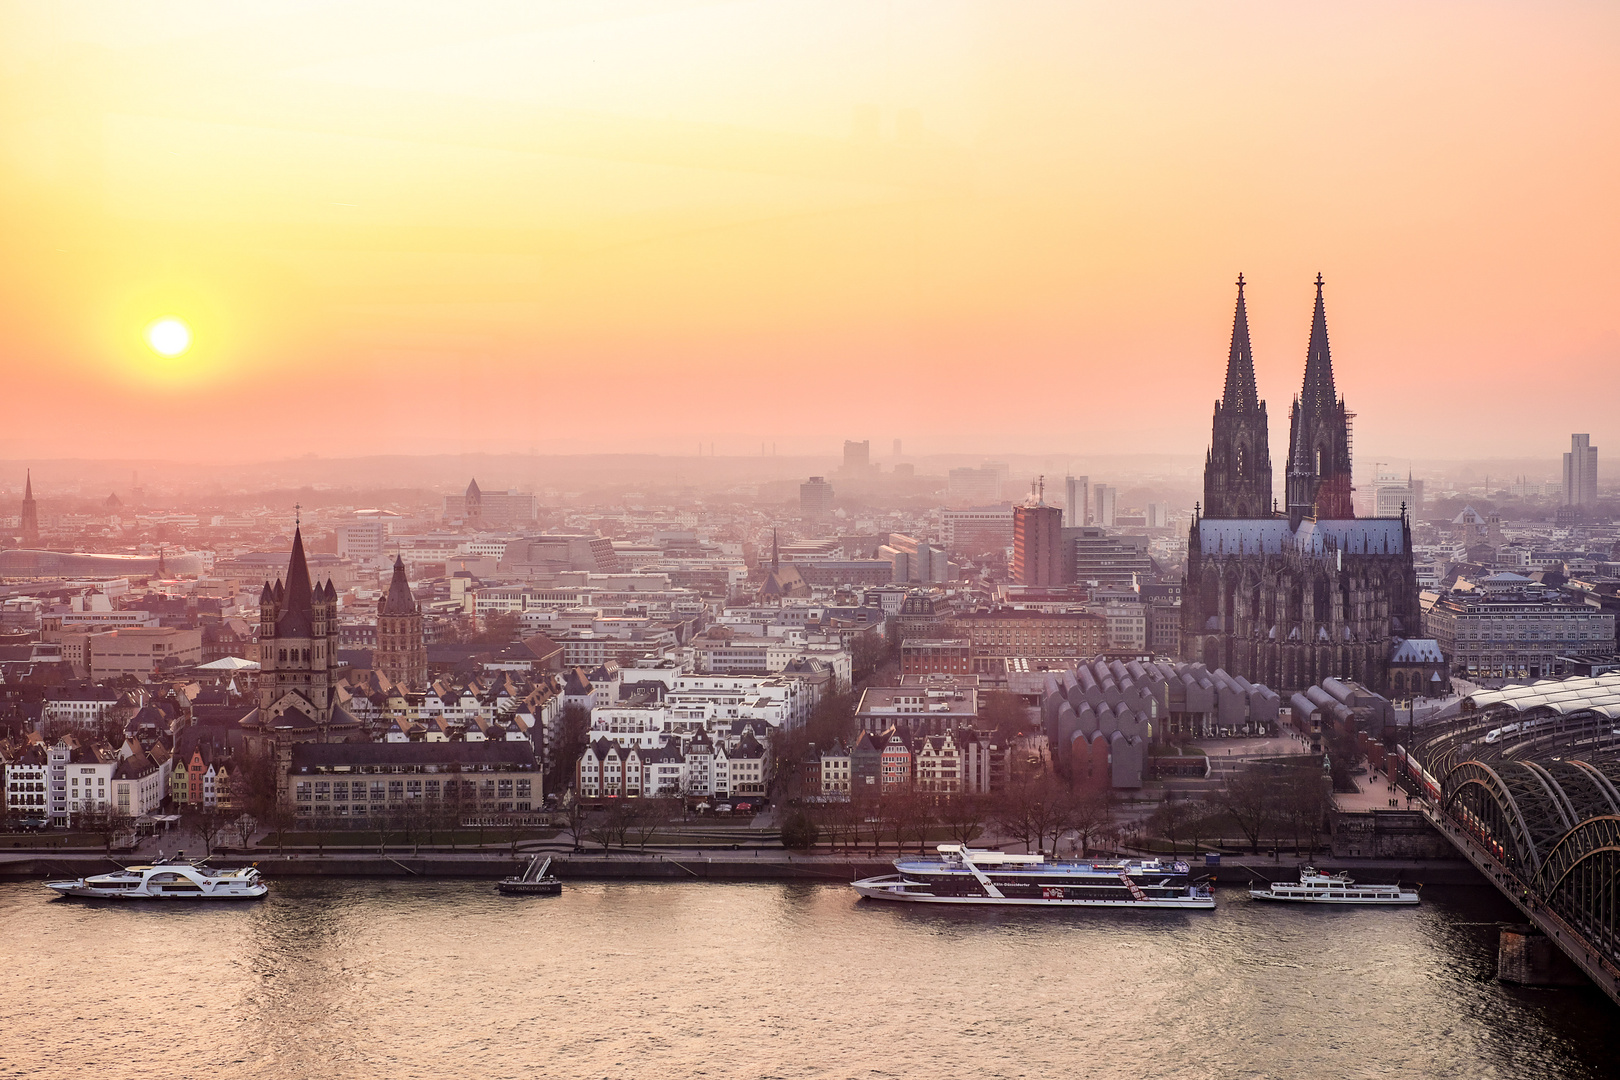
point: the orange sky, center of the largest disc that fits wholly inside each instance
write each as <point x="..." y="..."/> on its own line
<point x="1000" y="227"/>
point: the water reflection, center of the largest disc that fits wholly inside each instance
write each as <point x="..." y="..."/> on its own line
<point x="365" y="979"/>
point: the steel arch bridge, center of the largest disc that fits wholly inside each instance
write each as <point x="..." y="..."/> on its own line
<point x="1553" y="826"/>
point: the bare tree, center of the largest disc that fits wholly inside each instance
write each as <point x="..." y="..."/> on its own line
<point x="917" y="817"/>
<point x="1090" y="813"/>
<point x="1306" y="795"/>
<point x="243" y="826"/>
<point x="963" y="817"/>
<point x="206" y="825"/>
<point x="1173" y="819"/>
<point x="1251" y="799"/>
<point x="1031" y="809"/>
<point x="647" y="816"/>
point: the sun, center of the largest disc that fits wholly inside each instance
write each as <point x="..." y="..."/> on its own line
<point x="168" y="336"/>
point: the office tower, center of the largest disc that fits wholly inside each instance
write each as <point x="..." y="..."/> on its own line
<point x="1037" y="543"/>
<point x="1580" y="472"/>
<point x="1104" y="513"/>
<point x="816" y="499"/>
<point x="1076" y="501"/>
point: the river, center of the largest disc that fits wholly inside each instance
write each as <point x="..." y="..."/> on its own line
<point x="363" y="979"/>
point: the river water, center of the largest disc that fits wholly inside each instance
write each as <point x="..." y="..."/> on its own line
<point x="372" y="979"/>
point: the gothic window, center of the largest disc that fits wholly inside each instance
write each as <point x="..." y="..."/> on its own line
<point x="1240" y="461"/>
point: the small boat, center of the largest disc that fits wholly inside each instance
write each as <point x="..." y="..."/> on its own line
<point x="534" y="881"/>
<point x="1315" y="887"/>
<point x="964" y="875"/>
<point x="167" y="879"/>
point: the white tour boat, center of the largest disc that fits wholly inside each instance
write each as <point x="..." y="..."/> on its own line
<point x="964" y="875"/>
<point x="1315" y="887"/>
<point x="167" y="879"/>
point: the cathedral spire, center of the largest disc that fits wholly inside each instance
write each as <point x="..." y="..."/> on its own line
<point x="1319" y="438"/>
<point x="1237" y="469"/>
<point x="1241" y="393"/>
<point x="1319" y="395"/>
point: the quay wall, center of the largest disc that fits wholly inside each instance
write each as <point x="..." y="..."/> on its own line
<point x="767" y="866"/>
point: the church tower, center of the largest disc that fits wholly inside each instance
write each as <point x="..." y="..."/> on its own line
<point x="475" y="504"/>
<point x="298" y="650"/>
<point x="1237" y="471"/>
<point x="1319" y="437"/>
<point x="401" y="647"/>
<point x="30" y="514"/>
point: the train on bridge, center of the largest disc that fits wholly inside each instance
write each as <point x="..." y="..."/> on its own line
<point x="1525" y="781"/>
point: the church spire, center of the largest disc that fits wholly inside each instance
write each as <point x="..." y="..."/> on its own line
<point x="30" y="513"/>
<point x="298" y="612"/>
<point x="1241" y="392"/>
<point x="1319" y="438"/>
<point x="1237" y="470"/>
<point x="1319" y="395"/>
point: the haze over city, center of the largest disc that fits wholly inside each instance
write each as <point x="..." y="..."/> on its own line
<point x="739" y="538"/>
<point x="974" y="227"/>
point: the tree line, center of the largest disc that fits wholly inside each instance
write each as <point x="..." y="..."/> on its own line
<point x="1034" y="812"/>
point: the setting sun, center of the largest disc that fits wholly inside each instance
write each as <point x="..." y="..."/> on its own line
<point x="168" y="337"/>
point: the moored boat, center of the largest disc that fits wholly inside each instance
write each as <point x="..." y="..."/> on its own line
<point x="964" y="875"/>
<point x="534" y="881"/>
<point x="167" y="879"/>
<point x="1315" y="887"/>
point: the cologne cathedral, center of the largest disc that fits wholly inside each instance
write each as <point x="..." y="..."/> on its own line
<point x="1288" y="597"/>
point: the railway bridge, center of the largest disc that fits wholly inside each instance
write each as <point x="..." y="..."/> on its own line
<point x="1526" y="784"/>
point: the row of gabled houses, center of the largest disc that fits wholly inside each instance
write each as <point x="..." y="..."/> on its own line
<point x="80" y="776"/>
<point x="728" y="766"/>
<point x="896" y="761"/>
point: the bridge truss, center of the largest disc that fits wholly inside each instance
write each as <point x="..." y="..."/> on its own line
<point x="1548" y="833"/>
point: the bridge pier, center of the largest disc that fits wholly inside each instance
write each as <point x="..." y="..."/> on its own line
<point x="1556" y="935"/>
<point x="1526" y="956"/>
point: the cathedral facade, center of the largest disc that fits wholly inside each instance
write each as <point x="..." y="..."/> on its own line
<point x="1288" y="597"/>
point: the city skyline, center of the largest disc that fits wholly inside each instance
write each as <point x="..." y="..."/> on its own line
<point x="711" y="204"/>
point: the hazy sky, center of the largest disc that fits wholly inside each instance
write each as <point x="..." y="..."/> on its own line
<point x="642" y="225"/>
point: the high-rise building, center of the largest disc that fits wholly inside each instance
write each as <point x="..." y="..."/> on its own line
<point x="1392" y="492"/>
<point x="1037" y="544"/>
<point x="857" y="455"/>
<point x="401" y="652"/>
<point x="30" y="514"/>
<point x="815" y="499"/>
<point x="975" y="486"/>
<point x="1076" y="501"/>
<point x="897" y="449"/>
<point x="1580" y="472"/>
<point x="977" y="530"/>
<point x="1104" y="514"/>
